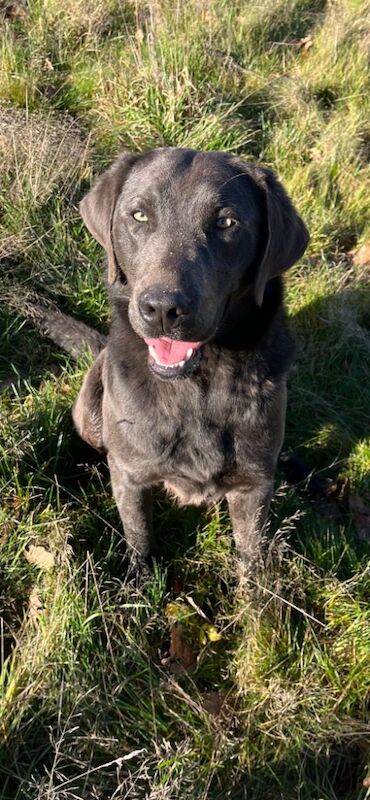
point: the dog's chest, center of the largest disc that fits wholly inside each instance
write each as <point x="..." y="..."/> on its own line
<point x="202" y="460"/>
<point x="198" y="439"/>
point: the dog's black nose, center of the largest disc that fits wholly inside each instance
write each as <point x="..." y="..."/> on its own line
<point x="163" y="310"/>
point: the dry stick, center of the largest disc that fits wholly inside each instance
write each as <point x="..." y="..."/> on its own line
<point x="118" y="761"/>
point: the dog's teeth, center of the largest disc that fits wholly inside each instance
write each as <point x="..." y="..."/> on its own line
<point x="181" y="363"/>
<point x="189" y="353"/>
<point x="152" y="352"/>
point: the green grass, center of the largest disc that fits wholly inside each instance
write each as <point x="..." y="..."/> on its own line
<point x="276" y="706"/>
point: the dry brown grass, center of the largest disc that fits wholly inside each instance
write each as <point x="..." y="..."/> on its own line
<point x="39" y="155"/>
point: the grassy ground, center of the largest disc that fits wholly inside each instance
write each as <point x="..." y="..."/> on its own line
<point x="274" y="702"/>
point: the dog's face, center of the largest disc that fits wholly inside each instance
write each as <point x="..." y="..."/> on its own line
<point x="188" y="231"/>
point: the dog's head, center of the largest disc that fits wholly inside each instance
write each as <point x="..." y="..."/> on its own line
<point x="187" y="231"/>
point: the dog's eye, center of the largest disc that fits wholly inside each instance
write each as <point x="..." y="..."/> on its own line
<point x="225" y="222"/>
<point x="140" y="216"/>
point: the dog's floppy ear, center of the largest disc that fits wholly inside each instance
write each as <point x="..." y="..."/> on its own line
<point x="87" y="410"/>
<point x="286" y="234"/>
<point x="97" y="207"/>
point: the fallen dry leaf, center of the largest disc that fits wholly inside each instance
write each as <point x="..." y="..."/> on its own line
<point x="361" y="256"/>
<point x="361" y="516"/>
<point x="5" y="531"/>
<point x="48" y="65"/>
<point x="180" y="648"/>
<point x="35" y="605"/>
<point x="39" y="556"/>
<point x="213" y="702"/>
<point x="182" y="656"/>
<point x="305" y="44"/>
<point x="334" y="501"/>
<point x="178" y="584"/>
<point x="14" y="11"/>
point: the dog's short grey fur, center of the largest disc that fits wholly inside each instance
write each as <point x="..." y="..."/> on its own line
<point x="214" y="427"/>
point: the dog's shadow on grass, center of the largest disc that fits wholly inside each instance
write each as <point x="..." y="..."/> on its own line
<point x="338" y="770"/>
<point x="99" y="530"/>
<point x="329" y="389"/>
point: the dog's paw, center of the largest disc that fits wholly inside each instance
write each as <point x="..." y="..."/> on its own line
<point x="138" y="569"/>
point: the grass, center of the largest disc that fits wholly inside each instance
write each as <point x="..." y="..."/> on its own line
<point x="276" y="704"/>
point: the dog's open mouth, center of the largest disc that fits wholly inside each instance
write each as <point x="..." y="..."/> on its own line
<point x="169" y="358"/>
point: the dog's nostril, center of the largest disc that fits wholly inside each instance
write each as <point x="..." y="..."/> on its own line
<point x="173" y="313"/>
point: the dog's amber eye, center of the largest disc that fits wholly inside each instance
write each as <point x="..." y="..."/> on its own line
<point x="140" y="216"/>
<point x="225" y="222"/>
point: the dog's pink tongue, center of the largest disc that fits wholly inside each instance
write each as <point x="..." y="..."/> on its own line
<point x="168" y="351"/>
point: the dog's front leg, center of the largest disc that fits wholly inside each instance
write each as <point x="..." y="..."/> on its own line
<point x="134" y="503"/>
<point x="248" y="512"/>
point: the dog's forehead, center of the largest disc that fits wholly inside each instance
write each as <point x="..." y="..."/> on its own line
<point x="189" y="174"/>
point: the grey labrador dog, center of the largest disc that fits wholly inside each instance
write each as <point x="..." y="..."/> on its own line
<point x="190" y="391"/>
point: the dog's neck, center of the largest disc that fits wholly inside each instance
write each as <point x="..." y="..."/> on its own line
<point x="245" y="324"/>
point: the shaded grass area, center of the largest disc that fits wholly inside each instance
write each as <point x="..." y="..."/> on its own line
<point x="276" y="703"/>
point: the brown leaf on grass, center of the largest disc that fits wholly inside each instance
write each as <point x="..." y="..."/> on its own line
<point x="39" y="556"/>
<point x="189" y="633"/>
<point x="361" y="516"/>
<point x="48" y="65"/>
<point x="35" y="605"/>
<point x="338" y="500"/>
<point x="337" y="488"/>
<point x="178" y="584"/>
<point x="180" y="648"/>
<point x="181" y="655"/>
<point x="4" y="532"/>
<point x="214" y="702"/>
<point x="334" y="499"/>
<point x="14" y="11"/>
<point x="328" y="505"/>
<point x="361" y="256"/>
<point x="304" y="44"/>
